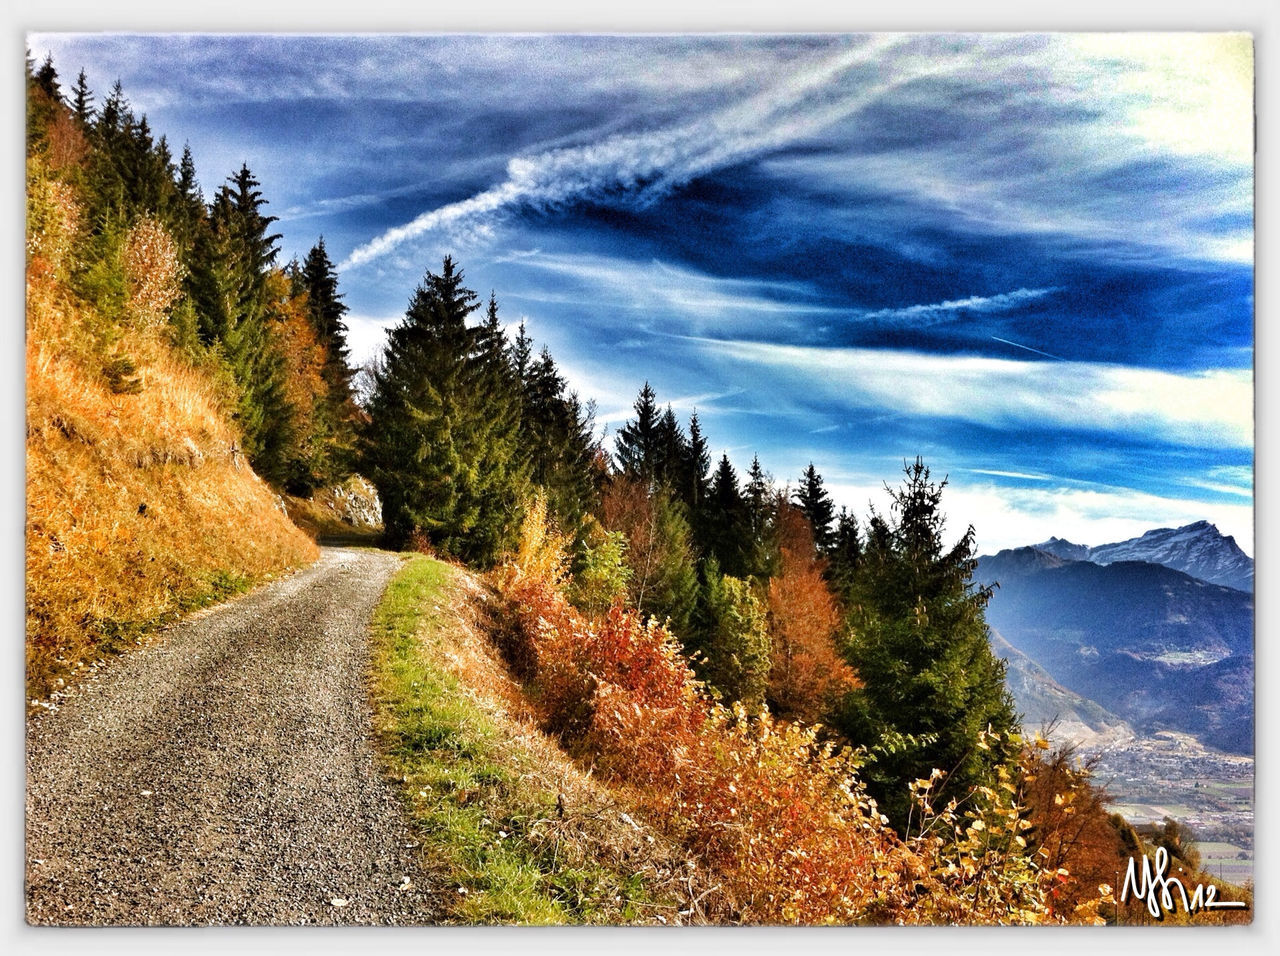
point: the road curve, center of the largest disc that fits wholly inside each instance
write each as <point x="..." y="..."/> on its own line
<point x="227" y="773"/>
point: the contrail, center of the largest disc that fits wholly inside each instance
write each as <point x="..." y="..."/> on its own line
<point x="652" y="163"/>
<point x="1029" y="349"/>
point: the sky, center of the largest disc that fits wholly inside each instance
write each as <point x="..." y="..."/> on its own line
<point x="1026" y="258"/>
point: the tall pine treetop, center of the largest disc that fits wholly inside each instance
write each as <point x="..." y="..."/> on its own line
<point x="816" y="505"/>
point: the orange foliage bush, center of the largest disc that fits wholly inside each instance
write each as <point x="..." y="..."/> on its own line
<point x="779" y="817"/>
<point x="808" y="674"/>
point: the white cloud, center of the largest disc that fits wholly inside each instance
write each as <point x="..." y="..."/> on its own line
<point x="623" y="283"/>
<point x="366" y="334"/>
<point x="1012" y="517"/>
<point x="1212" y="408"/>
<point x="939" y="311"/>
<point x="806" y="101"/>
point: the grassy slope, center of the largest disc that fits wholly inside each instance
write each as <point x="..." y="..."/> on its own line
<point x="518" y="833"/>
<point x="137" y="508"/>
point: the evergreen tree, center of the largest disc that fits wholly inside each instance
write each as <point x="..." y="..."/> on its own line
<point x="691" y="480"/>
<point x="557" y="436"/>
<point x="671" y="452"/>
<point x="815" y="504"/>
<point x="918" y="640"/>
<point x="636" y="447"/>
<point x="845" y="553"/>
<point x="232" y="258"/>
<point x="320" y="280"/>
<point x="736" y="643"/>
<point x="440" y="444"/>
<point x="761" y="545"/>
<point x="47" y="78"/>
<point x="726" y="529"/>
<point x="82" y="101"/>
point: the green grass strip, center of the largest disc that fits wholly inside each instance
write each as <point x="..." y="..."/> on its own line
<point x="465" y="803"/>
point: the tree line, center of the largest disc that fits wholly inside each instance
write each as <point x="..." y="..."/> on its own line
<point x="779" y="600"/>
<point x="147" y="249"/>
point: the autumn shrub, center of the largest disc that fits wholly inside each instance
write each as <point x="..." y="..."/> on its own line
<point x="153" y="272"/>
<point x="777" y="813"/>
<point x="603" y="573"/>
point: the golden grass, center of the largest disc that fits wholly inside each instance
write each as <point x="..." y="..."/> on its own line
<point x="137" y="507"/>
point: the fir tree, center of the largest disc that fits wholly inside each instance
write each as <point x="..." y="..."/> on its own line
<point x="320" y="280"/>
<point x="557" y="436"/>
<point x="815" y="504"/>
<point x="736" y="643"/>
<point x="82" y="101"/>
<point x="918" y="640"/>
<point x="845" y="553"/>
<point x="440" y="444"/>
<point x="671" y="452"/>
<point x="691" y="481"/>
<point x="47" y="78"/>
<point x="636" y="447"/>
<point x="758" y="500"/>
<point x="726" y="530"/>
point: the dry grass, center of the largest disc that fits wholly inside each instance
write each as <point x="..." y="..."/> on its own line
<point x="138" y="506"/>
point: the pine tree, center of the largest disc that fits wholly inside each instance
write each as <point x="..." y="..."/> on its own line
<point x="761" y="548"/>
<point x="671" y="452"/>
<point x="320" y="280"/>
<point x="47" y="78"/>
<point x="82" y="101"/>
<point x="440" y="444"/>
<point x="636" y="447"/>
<point x="736" y="643"/>
<point x="815" y="504"/>
<point x="726" y="530"/>
<point x="845" y="553"/>
<point x="691" y="479"/>
<point x="918" y="640"/>
<point x="557" y="436"/>
<point x="229" y="270"/>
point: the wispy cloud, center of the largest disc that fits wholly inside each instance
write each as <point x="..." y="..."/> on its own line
<point x="645" y="165"/>
<point x="1212" y="408"/>
<point x="918" y="315"/>
<point x="647" y="285"/>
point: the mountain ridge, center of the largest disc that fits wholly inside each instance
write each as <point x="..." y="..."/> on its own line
<point x="1198" y="549"/>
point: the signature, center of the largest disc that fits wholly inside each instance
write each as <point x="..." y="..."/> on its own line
<point x="1159" y="890"/>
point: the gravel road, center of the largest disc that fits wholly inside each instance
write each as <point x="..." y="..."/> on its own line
<point x="226" y="774"/>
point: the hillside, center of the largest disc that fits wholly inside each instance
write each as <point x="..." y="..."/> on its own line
<point x="1043" y="703"/>
<point x="139" y="506"/>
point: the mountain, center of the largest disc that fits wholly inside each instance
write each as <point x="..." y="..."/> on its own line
<point x="1198" y="549"/>
<point x="1043" y="703"/>
<point x="1155" y="647"/>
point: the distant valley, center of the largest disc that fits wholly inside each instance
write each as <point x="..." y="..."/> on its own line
<point x="1130" y="641"/>
<point x="1141" y="652"/>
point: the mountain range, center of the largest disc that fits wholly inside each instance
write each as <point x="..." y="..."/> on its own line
<point x="1198" y="549"/>
<point x="1104" y="642"/>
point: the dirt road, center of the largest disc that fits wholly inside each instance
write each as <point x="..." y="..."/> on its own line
<point x="226" y="774"/>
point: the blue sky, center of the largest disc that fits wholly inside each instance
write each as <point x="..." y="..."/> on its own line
<point x="1027" y="258"/>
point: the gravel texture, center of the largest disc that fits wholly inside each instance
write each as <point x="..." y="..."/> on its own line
<point x="226" y="773"/>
